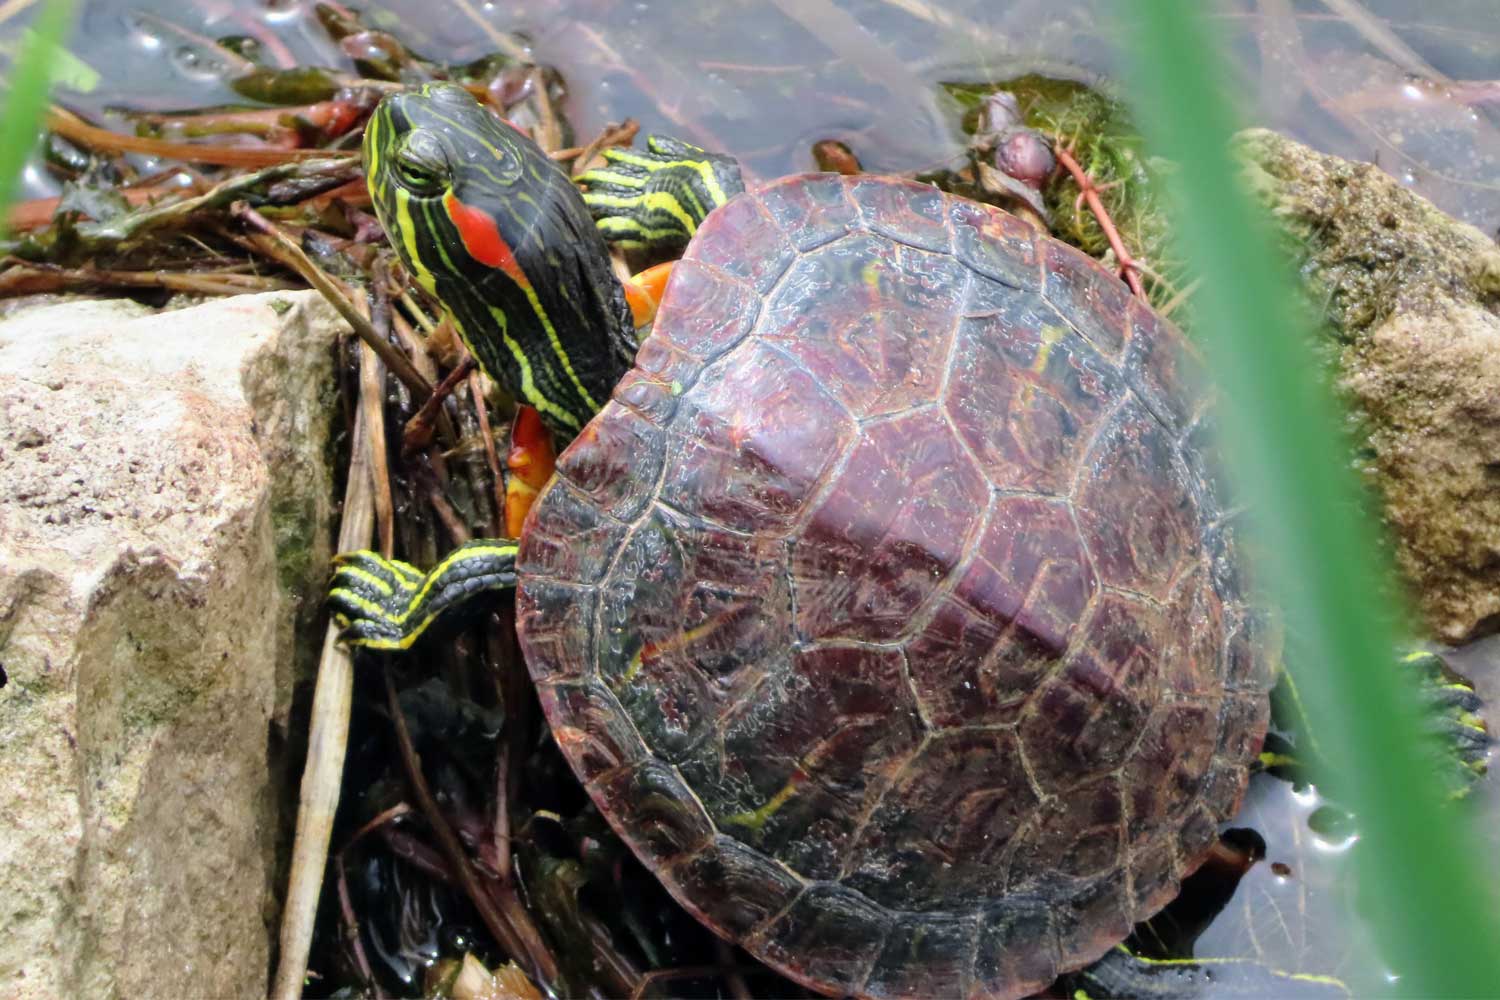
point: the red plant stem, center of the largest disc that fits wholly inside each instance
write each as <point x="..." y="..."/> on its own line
<point x="1128" y="269"/>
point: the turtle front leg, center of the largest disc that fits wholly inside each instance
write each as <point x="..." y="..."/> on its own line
<point x="657" y="197"/>
<point x="382" y="603"/>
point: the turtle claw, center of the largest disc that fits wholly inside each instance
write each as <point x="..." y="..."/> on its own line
<point x="657" y="197"/>
<point x="382" y="603"/>
<point x="370" y="598"/>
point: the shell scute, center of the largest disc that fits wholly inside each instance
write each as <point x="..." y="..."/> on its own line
<point x="834" y="930"/>
<point x="1135" y="505"/>
<point x="687" y="608"/>
<point x="662" y="819"/>
<point x="1163" y="369"/>
<point x="598" y="737"/>
<point x="615" y="461"/>
<point x="753" y="441"/>
<point x="926" y="954"/>
<point x="872" y="319"/>
<point x="574" y="542"/>
<point x="732" y="886"/>
<point x="1078" y="833"/>
<point x="711" y="309"/>
<point x="1018" y="949"/>
<point x="911" y="214"/>
<point x="811" y="210"/>
<point x="746" y="242"/>
<point x="901" y="511"/>
<point x="1097" y="309"/>
<point x="844" y="714"/>
<point x="1098" y="918"/>
<point x="996" y="244"/>
<point x="1026" y="392"/>
<point x="1174" y="754"/>
<point x="556" y="615"/>
<point x="1028" y="571"/>
<point x="647" y="395"/>
<point x="945" y="823"/>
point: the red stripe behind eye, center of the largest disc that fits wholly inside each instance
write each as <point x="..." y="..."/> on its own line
<point x="482" y="238"/>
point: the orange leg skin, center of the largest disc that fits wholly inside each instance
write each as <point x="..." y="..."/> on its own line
<point x="530" y="462"/>
<point x="643" y="291"/>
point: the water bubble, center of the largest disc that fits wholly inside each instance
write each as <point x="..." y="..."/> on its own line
<point x="192" y="63"/>
<point x="141" y="34"/>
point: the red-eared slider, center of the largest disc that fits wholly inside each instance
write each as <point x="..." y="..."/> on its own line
<point x="883" y="601"/>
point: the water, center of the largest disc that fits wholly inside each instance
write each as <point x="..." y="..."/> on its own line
<point x="1413" y="87"/>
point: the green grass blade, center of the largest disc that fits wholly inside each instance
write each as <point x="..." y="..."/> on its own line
<point x="26" y="97"/>
<point x="1423" y="881"/>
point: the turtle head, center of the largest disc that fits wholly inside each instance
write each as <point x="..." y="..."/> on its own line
<point x="486" y="222"/>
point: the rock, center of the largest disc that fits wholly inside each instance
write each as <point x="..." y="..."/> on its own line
<point x="164" y="528"/>
<point x="1413" y="299"/>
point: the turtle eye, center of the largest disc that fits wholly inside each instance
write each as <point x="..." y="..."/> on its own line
<point x="422" y="164"/>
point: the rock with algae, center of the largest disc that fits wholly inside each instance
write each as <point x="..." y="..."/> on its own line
<point x="164" y="528"/>
<point x="1412" y="298"/>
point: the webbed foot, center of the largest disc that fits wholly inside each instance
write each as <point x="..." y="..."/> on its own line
<point x="382" y="603"/>
<point x="657" y="197"/>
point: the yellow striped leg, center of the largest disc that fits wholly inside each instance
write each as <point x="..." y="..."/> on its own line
<point x="381" y="603"/>
<point x="657" y="197"/>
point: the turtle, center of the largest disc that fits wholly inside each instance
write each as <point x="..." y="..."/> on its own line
<point x="886" y="598"/>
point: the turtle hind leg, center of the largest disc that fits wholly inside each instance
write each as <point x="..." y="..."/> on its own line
<point x="657" y="197"/>
<point x="1453" y="715"/>
<point x="382" y="603"/>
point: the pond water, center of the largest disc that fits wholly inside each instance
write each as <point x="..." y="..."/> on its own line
<point x="1412" y="87"/>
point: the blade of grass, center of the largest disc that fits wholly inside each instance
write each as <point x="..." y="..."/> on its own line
<point x="30" y="80"/>
<point x="1422" y="878"/>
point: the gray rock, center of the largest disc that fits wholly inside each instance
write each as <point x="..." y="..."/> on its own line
<point x="1413" y="299"/>
<point x="164" y="530"/>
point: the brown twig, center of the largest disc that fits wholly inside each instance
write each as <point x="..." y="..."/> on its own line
<point x="1129" y="270"/>
<point x="520" y="939"/>
<point x="182" y="212"/>
<point x="75" y="129"/>
<point x="28" y="279"/>
<point x="346" y="906"/>
<point x="734" y="978"/>
<point x="548" y="131"/>
<point x="351" y="927"/>
<point x="417" y="434"/>
<point x="372" y="405"/>
<point x="610" y="136"/>
<point x="327" y="742"/>
<point x="38" y="212"/>
<point x="272" y="241"/>
<point x="476" y="390"/>
<point x="458" y="532"/>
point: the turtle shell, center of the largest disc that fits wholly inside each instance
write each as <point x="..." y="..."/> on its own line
<point x="888" y="611"/>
